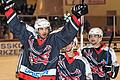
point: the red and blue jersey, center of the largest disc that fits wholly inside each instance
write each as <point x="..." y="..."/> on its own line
<point x="40" y="61"/>
<point x="71" y="68"/>
<point x="98" y="58"/>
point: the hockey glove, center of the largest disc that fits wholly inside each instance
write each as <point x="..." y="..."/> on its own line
<point x="6" y="5"/>
<point x="111" y="71"/>
<point x="115" y="70"/>
<point x="79" y="10"/>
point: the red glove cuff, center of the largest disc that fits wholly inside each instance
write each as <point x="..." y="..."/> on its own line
<point x="75" y="19"/>
<point x="9" y="12"/>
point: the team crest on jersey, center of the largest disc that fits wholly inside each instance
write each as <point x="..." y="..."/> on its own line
<point x="65" y="74"/>
<point x="95" y="69"/>
<point x="42" y="58"/>
<point x="37" y="57"/>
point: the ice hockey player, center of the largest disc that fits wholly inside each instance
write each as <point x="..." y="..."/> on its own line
<point x="101" y="57"/>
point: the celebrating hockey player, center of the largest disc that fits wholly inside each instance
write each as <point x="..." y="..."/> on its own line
<point x="41" y="49"/>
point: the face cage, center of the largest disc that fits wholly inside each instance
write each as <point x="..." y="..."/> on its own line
<point x="94" y="35"/>
<point x="98" y="36"/>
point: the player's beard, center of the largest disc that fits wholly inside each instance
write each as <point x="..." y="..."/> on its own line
<point x="44" y="36"/>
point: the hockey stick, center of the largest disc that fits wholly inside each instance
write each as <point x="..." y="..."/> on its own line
<point x="82" y="28"/>
<point x="109" y="44"/>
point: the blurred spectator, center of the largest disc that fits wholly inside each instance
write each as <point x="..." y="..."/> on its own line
<point x="87" y="25"/>
<point x="108" y="32"/>
<point x="5" y="32"/>
<point x="30" y="9"/>
<point x="25" y="9"/>
<point x="1" y="31"/>
<point x="117" y="33"/>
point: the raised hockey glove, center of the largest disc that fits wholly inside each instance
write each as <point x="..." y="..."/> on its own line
<point x="6" y="5"/>
<point x="79" y="10"/>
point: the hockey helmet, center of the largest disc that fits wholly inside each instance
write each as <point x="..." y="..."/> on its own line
<point x="42" y="23"/>
<point x="96" y="31"/>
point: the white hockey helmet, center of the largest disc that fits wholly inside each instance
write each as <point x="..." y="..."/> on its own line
<point x="42" y="23"/>
<point x="97" y="31"/>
